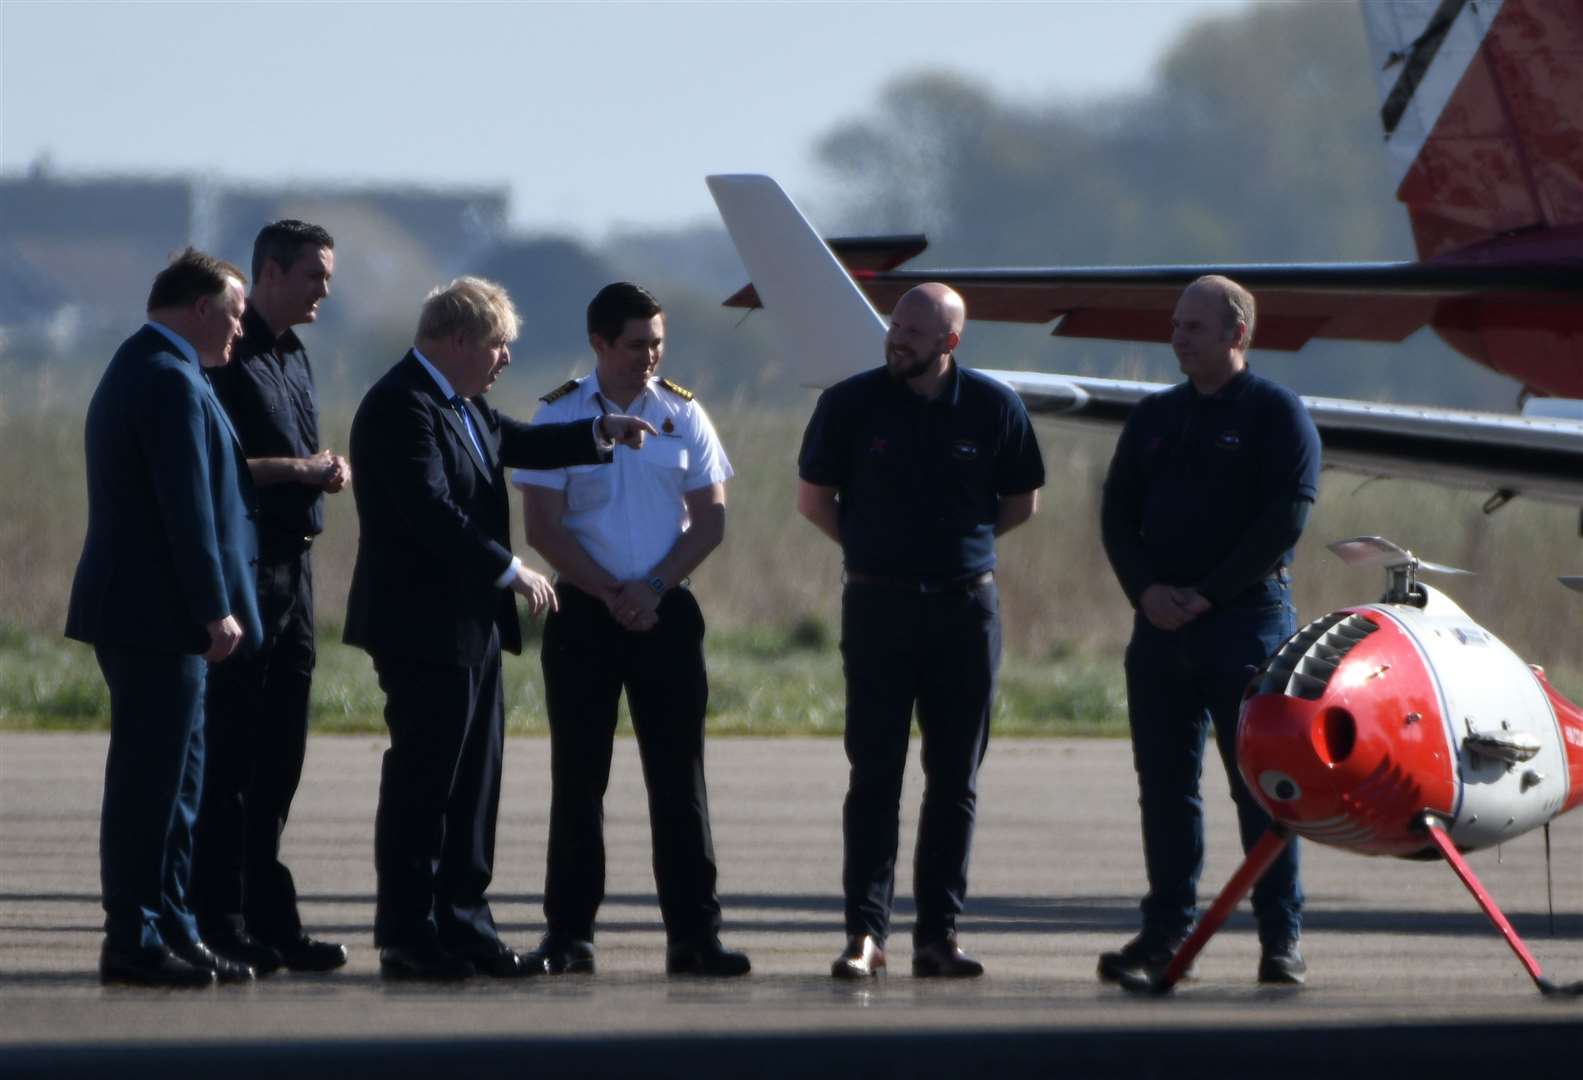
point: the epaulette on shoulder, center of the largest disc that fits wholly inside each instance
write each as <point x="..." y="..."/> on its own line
<point x="680" y="391"/>
<point x="559" y="392"/>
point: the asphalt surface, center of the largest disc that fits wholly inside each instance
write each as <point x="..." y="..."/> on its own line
<point x="1400" y="958"/>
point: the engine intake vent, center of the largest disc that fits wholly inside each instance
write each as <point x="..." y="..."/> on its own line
<point x="1302" y="667"/>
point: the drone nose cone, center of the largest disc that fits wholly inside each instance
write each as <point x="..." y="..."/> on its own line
<point x="1333" y="733"/>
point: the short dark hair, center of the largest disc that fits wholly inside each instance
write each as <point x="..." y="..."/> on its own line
<point x="190" y="276"/>
<point x="284" y="240"/>
<point x="609" y="311"/>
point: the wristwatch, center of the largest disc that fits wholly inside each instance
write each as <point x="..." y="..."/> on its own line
<point x="657" y="583"/>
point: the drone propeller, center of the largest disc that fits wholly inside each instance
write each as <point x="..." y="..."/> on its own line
<point x="1378" y="551"/>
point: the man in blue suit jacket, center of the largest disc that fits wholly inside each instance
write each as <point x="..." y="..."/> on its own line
<point x="164" y="587"/>
<point x="433" y="602"/>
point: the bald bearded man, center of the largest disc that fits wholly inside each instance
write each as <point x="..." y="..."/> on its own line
<point x="915" y="468"/>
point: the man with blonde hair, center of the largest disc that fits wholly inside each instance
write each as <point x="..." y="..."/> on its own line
<point x="433" y="603"/>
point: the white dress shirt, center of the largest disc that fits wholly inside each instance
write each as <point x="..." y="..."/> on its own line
<point x="627" y="515"/>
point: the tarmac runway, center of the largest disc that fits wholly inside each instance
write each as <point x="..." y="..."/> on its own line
<point x="1402" y="964"/>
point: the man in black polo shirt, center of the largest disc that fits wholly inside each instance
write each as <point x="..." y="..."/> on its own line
<point x="1207" y="493"/>
<point x="257" y="705"/>
<point x="914" y="468"/>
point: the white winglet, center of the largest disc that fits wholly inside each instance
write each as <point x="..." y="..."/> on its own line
<point x="815" y="306"/>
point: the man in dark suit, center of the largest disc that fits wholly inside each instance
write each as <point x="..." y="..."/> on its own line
<point x="432" y="602"/>
<point x="164" y="587"/>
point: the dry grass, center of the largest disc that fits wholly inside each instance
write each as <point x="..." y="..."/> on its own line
<point x="771" y="592"/>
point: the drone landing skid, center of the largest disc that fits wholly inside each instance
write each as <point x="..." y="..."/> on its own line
<point x="1259" y="860"/>
<point x="1442" y="842"/>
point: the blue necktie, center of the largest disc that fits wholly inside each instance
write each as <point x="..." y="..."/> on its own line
<point x="459" y="405"/>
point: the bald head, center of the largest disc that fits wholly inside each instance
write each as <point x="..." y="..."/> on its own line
<point x="925" y="327"/>
<point x="939" y="305"/>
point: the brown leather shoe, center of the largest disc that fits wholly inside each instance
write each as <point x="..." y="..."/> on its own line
<point x="944" y="959"/>
<point x="863" y="958"/>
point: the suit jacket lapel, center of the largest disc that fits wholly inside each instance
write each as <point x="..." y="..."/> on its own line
<point x="452" y="417"/>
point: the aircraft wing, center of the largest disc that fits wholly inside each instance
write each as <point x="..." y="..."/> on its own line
<point x="1297" y="302"/>
<point x="824" y="316"/>
<point x="1507" y="455"/>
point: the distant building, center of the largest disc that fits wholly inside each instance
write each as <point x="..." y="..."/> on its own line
<point x="77" y="254"/>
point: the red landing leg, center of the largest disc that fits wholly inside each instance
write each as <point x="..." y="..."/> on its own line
<point x="1437" y="834"/>
<point x="1265" y="852"/>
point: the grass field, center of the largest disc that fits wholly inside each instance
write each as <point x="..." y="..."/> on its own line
<point x="771" y="592"/>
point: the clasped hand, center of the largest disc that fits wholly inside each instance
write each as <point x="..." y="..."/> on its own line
<point x="632" y="604"/>
<point x="1170" y="608"/>
<point x="329" y="471"/>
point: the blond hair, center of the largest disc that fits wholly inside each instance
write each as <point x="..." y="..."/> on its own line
<point x="475" y="307"/>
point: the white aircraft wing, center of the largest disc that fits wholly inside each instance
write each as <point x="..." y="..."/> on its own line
<point x="823" y="316"/>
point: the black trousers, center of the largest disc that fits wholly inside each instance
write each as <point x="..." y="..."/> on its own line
<point x="257" y="719"/>
<point x="940" y="651"/>
<point x="439" y="794"/>
<point x="588" y="660"/>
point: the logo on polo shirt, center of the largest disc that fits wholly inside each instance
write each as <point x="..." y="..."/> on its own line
<point x="878" y="445"/>
<point x="1229" y="440"/>
<point x="964" y="449"/>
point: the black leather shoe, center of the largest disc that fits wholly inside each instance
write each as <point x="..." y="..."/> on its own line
<point x="307" y="954"/>
<point x="244" y="948"/>
<point x="226" y="970"/>
<point x="151" y="967"/>
<point x="705" y="956"/>
<point x="497" y="960"/>
<point x="1145" y="956"/>
<point x="1283" y="965"/>
<point x="944" y="959"/>
<point x="863" y="957"/>
<point x="423" y="960"/>
<point x="558" y="955"/>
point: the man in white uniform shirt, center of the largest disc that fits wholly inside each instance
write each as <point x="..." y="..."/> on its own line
<point x="622" y="539"/>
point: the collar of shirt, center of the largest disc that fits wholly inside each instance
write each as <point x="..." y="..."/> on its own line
<point x="258" y="338"/>
<point x="446" y="390"/>
<point x="1232" y="390"/>
<point x="950" y="390"/>
<point x="183" y="346"/>
<point x="591" y="395"/>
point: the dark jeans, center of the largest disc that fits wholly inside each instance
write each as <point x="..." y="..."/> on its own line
<point x="1179" y="685"/>
<point x="257" y="720"/>
<point x="588" y="660"/>
<point x="439" y="795"/>
<point x="940" y="652"/>
<point x="153" y="778"/>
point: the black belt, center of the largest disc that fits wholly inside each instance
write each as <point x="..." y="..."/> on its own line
<point x="922" y="585"/>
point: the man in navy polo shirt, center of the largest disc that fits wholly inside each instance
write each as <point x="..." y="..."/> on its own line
<point x="1209" y="490"/>
<point x="914" y="468"/>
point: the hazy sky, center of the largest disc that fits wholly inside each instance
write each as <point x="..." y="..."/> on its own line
<point x="594" y="113"/>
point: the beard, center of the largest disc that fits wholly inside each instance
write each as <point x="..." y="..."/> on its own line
<point x="905" y="365"/>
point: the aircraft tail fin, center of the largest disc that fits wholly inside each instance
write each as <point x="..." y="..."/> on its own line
<point x="813" y="302"/>
<point x="1481" y="103"/>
